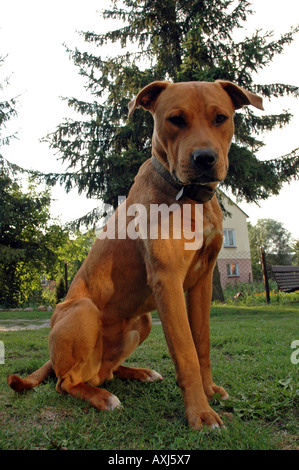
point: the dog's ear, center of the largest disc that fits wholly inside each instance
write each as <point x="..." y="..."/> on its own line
<point x="147" y="97"/>
<point x="239" y="96"/>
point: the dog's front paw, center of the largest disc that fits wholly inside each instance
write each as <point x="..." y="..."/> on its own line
<point x="206" y="417"/>
<point x="211" y="389"/>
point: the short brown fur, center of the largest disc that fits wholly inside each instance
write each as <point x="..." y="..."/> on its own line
<point x="105" y="315"/>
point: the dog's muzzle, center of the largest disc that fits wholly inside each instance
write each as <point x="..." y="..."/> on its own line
<point x="198" y="192"/>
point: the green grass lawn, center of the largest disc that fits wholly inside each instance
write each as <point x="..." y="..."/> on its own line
<point x="251" y="357"/>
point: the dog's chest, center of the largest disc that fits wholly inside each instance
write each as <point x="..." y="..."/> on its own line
<point x="204" y="258"/>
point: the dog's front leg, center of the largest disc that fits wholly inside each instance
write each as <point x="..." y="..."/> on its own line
<point x="198" y="302"/>
<point x="170" y="302"/>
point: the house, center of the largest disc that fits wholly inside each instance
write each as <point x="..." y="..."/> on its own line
<point x="234" y="261"/>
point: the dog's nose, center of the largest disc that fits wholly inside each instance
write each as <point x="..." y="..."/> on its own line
<point x="204" y="159"/>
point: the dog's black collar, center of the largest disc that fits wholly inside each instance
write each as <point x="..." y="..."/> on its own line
<point x="193" y="191"/>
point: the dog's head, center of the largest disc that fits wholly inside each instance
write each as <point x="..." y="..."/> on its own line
<point x="193" y="126"/>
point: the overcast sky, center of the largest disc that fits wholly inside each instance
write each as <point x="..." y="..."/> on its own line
<point x="32" y="34"/>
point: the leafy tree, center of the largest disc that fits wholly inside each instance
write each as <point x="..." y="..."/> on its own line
<point x="177" y="40"/>
<point x="295" y="249"/>
<point x="276" y="240"/>
<point x="7" y="111"/>
<point x="25" y="244"/>
<point x="71" y="249"/>
<point x="30" y="244"/>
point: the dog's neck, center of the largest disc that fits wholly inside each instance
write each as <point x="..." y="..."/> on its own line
<point x="192" y="191"/>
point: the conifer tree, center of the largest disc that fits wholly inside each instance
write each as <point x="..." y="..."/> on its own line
<point x="178" y="40"/>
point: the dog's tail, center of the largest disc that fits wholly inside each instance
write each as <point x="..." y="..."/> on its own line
<point x="20" y="385"/>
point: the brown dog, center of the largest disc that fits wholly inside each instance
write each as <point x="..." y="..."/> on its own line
<point x="105" y="314"/>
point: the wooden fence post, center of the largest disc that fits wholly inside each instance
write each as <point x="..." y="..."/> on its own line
<point x="265" y="274"/>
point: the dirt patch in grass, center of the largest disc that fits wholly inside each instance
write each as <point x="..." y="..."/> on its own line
<point x="54" y="416"/>
<point x="23" y="324"/>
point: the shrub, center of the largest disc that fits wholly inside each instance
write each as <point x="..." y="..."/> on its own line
<point x="254" y="293"/>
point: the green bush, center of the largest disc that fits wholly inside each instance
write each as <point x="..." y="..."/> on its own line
<point x="254" y="293"/>
<point x="48" y="296"/>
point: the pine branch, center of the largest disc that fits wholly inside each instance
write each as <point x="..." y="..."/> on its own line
<point x="275" y="90"/>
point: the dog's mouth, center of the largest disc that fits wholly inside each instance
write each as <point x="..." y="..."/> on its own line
<point x="203" y="180"/>
<point x="201" y="189"/>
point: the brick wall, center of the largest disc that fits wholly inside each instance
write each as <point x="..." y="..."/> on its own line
<point x="234" y="270"/>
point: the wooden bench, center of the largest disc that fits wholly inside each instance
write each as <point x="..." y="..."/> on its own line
<point x="286" y="277"/>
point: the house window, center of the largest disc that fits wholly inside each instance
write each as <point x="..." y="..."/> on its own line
<point x="232" y="269"/>
<point x="229" y="239"/>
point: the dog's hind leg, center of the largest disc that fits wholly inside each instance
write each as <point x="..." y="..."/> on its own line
<point x="135" y="373"/>
<point x="76" y="349"/>
<point x="37" y="377"/>
<point x="97" y="397"/>
<point x="141" y="329"/>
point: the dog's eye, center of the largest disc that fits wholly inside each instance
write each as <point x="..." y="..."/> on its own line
<point x="220" y="119"/>
<point x="177" y="121"/>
